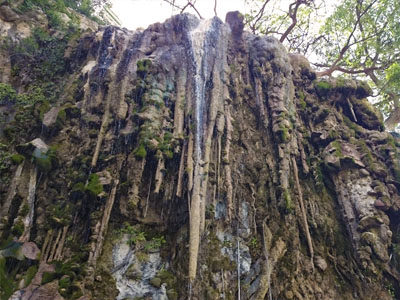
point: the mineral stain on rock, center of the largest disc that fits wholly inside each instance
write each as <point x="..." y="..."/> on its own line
<point x="194" y="160"/>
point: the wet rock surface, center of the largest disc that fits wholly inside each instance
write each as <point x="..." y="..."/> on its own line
<point x="194" y="159"/>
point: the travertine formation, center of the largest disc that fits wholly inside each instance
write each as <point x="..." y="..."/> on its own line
<point x="194" y="160"/>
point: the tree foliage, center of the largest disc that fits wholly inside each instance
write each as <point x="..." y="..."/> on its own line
<point x="353" y="38"/>
<point x="97" y="10"/>
<point x="349" y="38"/>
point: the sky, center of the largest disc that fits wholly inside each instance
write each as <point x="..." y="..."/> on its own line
<point x="142" y="13"/>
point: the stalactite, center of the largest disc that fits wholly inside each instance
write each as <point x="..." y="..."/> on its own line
<point x="103" y="225"/>
<point x="31" y="204"/>
<point x="54" y="248"/>
<point x="215" y="109"/>
<point x="138" y="168"/>
<point x="59" y="252"/>
<point x="274" y="256"/>
<point x="220" y="130"/>
<point x="181" y="172"/>
<point x="194" y="228"/>
<point x="304" y="164"/>
<point x="189" y="164"/>
<point x="351" y="109"/>
<point x="303" y="211"/>
<point x="226" y="160"/>
<point x="46" y="245"/>
<point x="12" y="190"/>
<point x="159" y="175"/>
<point x="180" y="103"/>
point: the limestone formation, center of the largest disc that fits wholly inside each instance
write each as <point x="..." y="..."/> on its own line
<point x="190" y="160"/>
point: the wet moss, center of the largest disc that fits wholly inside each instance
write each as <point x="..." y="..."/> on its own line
<point x="7" y="283"/>
<point x="140" y="152"/>
<point x="48" y="277"/>
<point x="94" y="186"/>
<point x="338" y="147"/>
<point x="172" y="294"/>
<point x="143" y="67"/>
<point x="322" y="88"/>
<point x="17" y="158"/>
<point x="23" y="211"/>
<point x="18" y="228"/>
<point x="43" y="163"/>
<point x="30" y="273"/>
<point x="289" y="205"/>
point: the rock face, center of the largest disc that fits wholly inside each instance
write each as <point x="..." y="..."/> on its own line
<point x="194" y="159"/>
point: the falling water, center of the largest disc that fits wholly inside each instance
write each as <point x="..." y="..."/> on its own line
<point x="203" y="40"/>
<point x="197" y="38"/>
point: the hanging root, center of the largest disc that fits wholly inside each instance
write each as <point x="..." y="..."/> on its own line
<point x="303" y="212"/>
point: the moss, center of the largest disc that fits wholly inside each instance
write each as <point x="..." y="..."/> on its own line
<point x="143" y="67"/>
<point x="322" y="87"/>
<point x="79" y="187"/>
<point x="61" y="118"/>
<point x="7" y="94"/>
<point x="142" y="256"/>
<point x="289" y="206"/>
<point x="302" y="102"/>
<point x="43" y="163"/>
<point x="338" y="147"/>
<point x="64" y="283"/>
<point x="167" y="277"/>
<point x="172" y="294"/>
<point x="283" y="134"/>
<point x="94" y="186"/>
<point x="18" y="228"/>
<point x="7" y="283"/>
<point x="48" y="277"/>
<point x="17" y="158"/>
<point x="140" y="151"/>
<point x="43" y="108"/>
<point x="30" y="273"/>
<point x="24" y="210"/>
<point x="156" y="282"/>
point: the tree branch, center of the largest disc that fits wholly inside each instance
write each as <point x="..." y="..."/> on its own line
<point x="183" y="8"/>
<point x="347" y="45"/>
<point x="293" y="16"/>
<point x="258" y="17"/>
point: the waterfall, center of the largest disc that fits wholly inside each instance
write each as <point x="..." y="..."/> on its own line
<point x="199" y="52"/>
<point x="203" y="52"/>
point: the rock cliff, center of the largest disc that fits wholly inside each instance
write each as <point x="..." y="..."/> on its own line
<point x="189" y="160"/>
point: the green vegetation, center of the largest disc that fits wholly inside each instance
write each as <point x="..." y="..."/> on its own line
<point x="140" y="239"/>
<point x="7" y="94"/>
<point x="360" y="39"/>
<point x="17" y="158"/>
<point x="143" y="67"/>
<point x="30" y="274"/>
<point x="7" y="283"/>
<point x="322" y="88"/>
<point x="94" y="186"/>
<point x="54" y="9"/>
<point x="66" y="273"/>
<point x="289" y="205"/>
<point x="140" y="152"/>
<point x="18" y="228"/>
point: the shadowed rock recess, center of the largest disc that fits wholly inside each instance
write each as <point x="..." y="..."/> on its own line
<point x="194" y="160"/>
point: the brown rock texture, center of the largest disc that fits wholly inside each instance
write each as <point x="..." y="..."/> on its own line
<point x="194" y="160"/>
